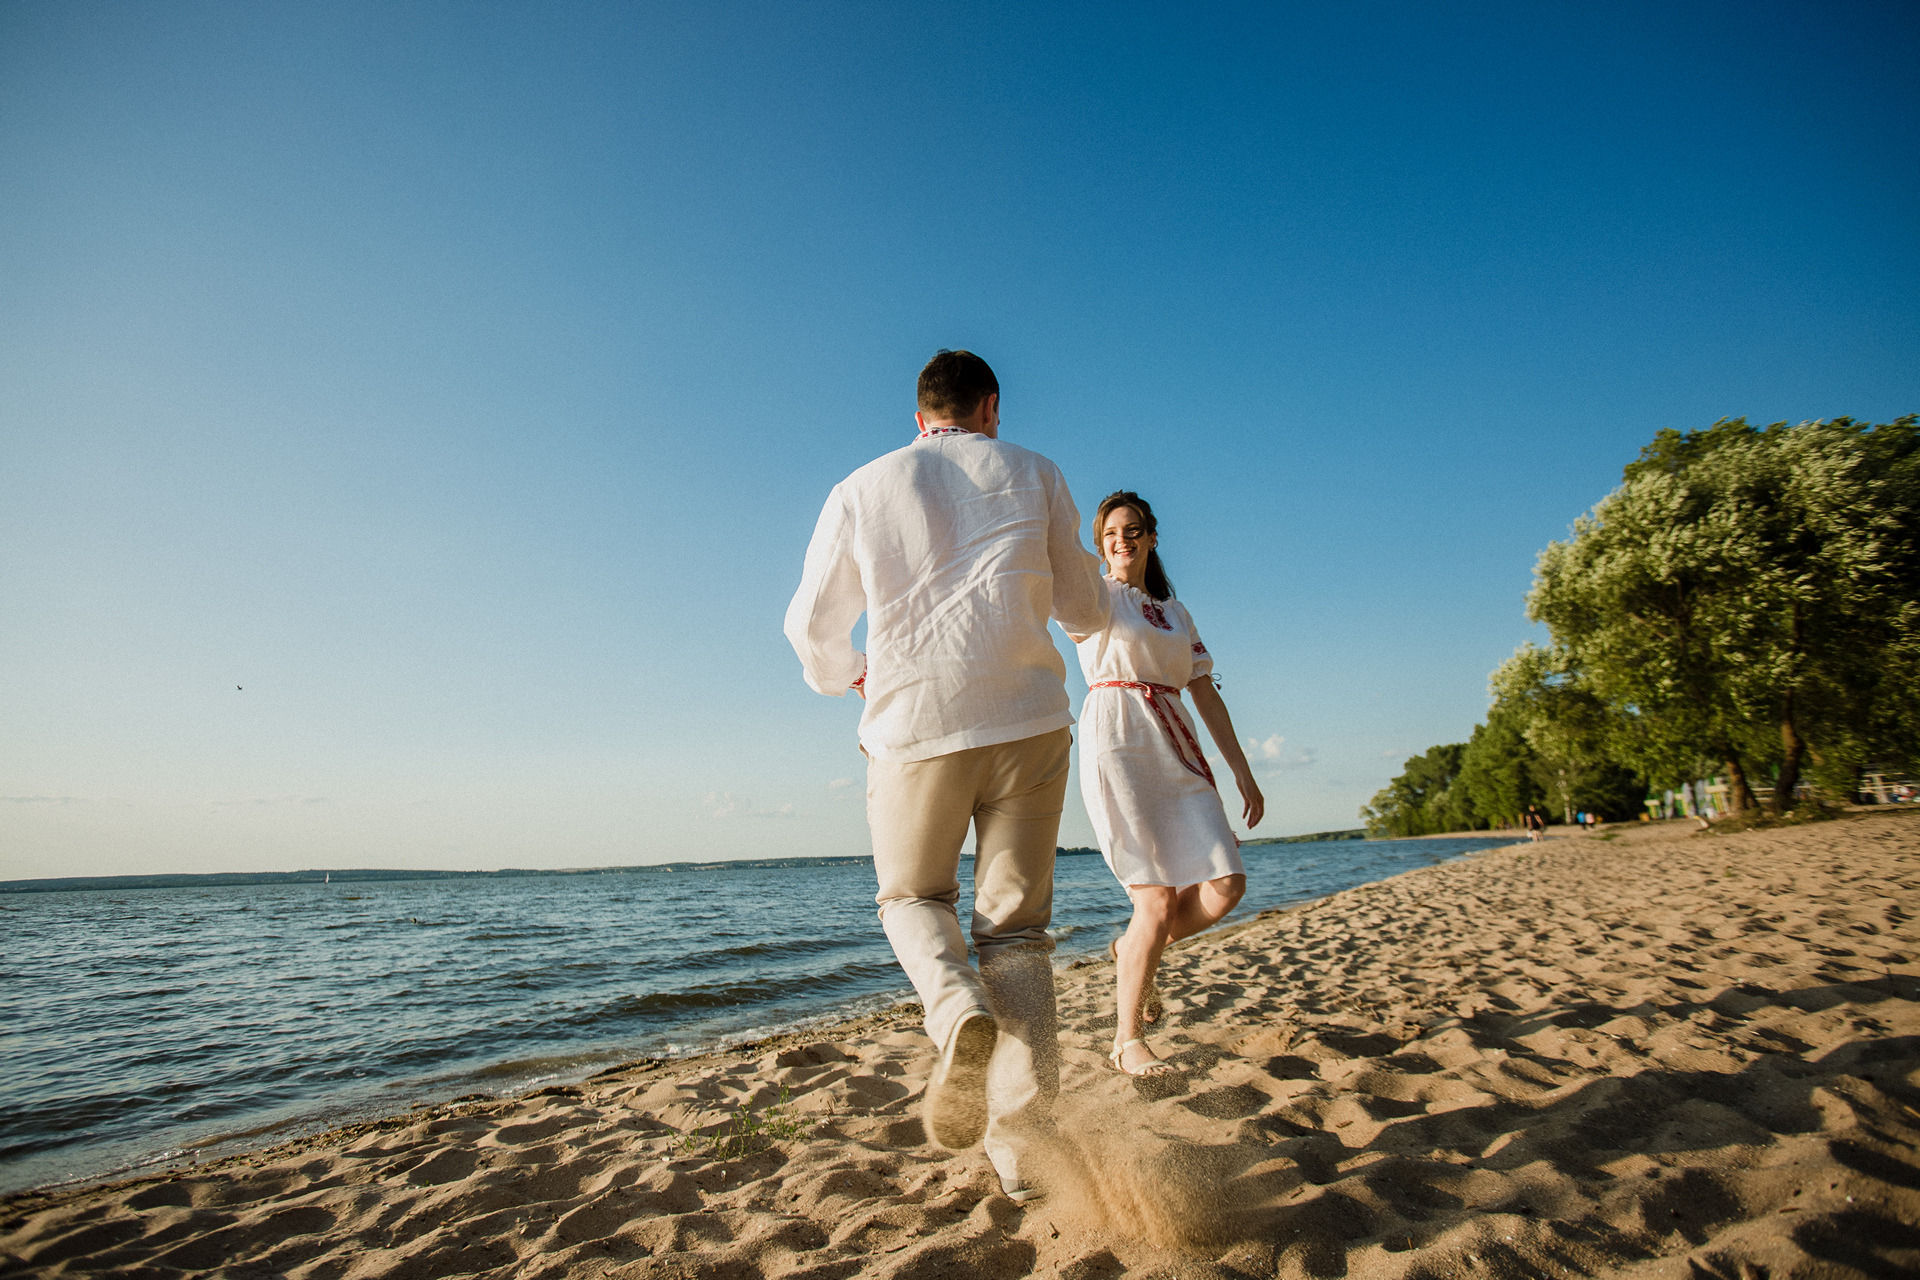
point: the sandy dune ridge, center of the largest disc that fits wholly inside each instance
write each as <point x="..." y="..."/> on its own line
<point x="1655" y="1056"/>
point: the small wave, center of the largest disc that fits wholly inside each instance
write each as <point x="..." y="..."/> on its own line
<point x="539" y="1068"/>
<point x="147" y="1161"/>
<point x="853" y="1008"/>
<point x="152" y="994"/>
<point x="734" y="994"/>
<point x="719" y="957"/>
<point x="42" y="1142"/>
<point x="238" y="1135"/>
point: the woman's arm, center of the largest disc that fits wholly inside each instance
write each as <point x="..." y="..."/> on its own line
<point x="1213" y="709"/>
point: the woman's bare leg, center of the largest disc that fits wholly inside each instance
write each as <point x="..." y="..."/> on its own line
<point x="1201" y="906"/>
<point x="1137" y="955"/>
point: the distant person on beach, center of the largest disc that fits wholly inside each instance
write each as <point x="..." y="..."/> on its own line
<point x="1149" y="792"/>
<point x="958" y="548"/>
<point x="1536" y="823"/>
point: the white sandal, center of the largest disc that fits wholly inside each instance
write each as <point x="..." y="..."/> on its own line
<point x="1158" y="1067"/>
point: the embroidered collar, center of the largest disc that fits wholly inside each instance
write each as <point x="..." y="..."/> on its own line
<point x="1149" y="607"/>
<point x="931" y="432"/>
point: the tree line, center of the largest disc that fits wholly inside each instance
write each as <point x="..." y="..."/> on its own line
<point x="1745" y="604"/>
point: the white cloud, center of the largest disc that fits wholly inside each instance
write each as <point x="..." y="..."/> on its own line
<point x="262" y="801"/>
<point x="44" y="799"/>
<point x="1272" y="753"/>
<point x="839" y="783"/>
<point x="724" y="804"/>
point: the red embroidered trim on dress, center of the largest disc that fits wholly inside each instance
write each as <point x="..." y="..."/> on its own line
<point x="1156" y="615"/>
<point x="1177" y="732"/>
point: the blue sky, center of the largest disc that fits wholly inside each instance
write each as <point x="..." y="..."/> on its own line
<point x="461" y="381"/>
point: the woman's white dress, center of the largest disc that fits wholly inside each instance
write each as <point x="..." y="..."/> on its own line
<point x="1158" y="819"/>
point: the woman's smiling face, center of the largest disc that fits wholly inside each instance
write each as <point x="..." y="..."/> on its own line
<point x="1124" y="542"/>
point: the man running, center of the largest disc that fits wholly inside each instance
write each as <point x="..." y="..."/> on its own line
<point x="958" y="548"/>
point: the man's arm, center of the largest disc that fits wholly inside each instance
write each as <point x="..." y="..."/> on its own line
<point x="1080" y="600"/>
<point x="830" y="600"/>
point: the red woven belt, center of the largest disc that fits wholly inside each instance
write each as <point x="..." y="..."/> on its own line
<point x="1164" y="700"/>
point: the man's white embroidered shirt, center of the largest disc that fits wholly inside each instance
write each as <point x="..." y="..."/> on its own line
<point x="957" y="548"/>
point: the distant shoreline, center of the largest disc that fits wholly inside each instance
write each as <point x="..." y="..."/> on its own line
<point x="364" y="875"/>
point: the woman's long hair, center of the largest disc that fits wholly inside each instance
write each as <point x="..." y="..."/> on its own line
<point x="1157" y="584"/>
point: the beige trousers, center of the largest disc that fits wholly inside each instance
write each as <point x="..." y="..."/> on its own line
<point x="1011" y="795"/>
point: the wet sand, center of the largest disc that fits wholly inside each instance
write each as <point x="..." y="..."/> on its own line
<point x="1657" y="1055"/>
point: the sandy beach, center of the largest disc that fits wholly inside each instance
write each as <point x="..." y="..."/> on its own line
<point x="1655" y="1055"/>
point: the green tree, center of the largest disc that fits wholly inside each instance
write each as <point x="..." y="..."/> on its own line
<point x="1499" y="775"/>
<point x="1419" y="801"/>
<point x="1862" y="701"/>
<point x="1564" y="722"/>
<point x="1747" y="592"/>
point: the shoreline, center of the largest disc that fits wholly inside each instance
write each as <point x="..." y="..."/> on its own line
<point x="318" y="1124"/>
<point x="333" y="1093"/>
<point x="1580" y="1051"/>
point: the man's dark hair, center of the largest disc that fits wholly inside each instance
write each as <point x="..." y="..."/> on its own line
<point x="954" y="383"/>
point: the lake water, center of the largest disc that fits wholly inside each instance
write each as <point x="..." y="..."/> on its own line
<point x="144" y="1026"/>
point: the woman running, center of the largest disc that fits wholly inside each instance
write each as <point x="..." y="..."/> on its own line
<point x="1149" y="792"/>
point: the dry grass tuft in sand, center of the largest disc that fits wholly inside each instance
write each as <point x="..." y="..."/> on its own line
<point x="1652" y="1056"/>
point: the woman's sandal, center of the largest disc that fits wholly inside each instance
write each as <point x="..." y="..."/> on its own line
<point x="1150" y="1006"/>
<point x="1157" y="1067"/>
